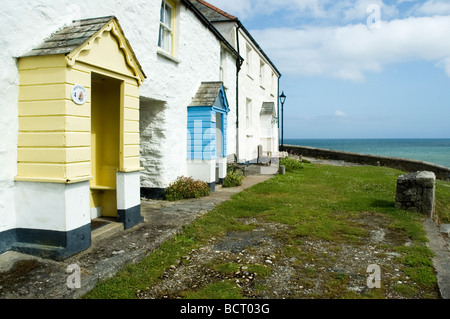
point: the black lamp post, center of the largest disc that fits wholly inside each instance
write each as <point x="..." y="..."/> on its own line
<point x="282" y="99"/>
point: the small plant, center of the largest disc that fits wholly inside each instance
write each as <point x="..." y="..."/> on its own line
<point x="291" y="163"/>
<point x="233" y="178"/>
<point x="186" y="187"/>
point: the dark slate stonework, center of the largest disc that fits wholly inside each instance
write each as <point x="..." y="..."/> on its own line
<point x="416" y="192"/>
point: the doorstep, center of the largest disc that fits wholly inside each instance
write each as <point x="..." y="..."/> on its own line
<point x="107" y="229"/>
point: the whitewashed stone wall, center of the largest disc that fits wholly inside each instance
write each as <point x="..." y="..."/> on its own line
<point x="170" y="84"/>
<point x="250" y="88"/>
<point x="230" y="90"/>
<point x="170" y="88"/>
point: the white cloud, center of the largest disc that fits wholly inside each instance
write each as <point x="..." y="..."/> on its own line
<point x="348" y="52"/>
<point x="340" y="114"/>
<point x="432" y="7"/>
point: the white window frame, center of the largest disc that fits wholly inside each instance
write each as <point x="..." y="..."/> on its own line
<point x="166" y="28"/>
<point x="262" y="66"/>
<point x="248" y="114"/>
<point x="248" y="59"/>
<point x="223" y="72"/>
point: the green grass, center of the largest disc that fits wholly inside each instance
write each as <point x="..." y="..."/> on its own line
<point x="443" y="201"/>
<point x="317" y="202"/>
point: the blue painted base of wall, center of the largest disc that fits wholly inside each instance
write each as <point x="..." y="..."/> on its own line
<point x="130" y="217"/>
<point x="7" y="239"/>
<point x="57" y="245"/>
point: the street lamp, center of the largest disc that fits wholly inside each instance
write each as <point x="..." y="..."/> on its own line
<point x="282" y="99"/>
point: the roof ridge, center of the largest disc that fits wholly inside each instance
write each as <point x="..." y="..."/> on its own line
<point x="225" y="14"/>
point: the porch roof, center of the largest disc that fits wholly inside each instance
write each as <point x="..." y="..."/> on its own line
<point x="70" y="37"/>
<point x="207" y="94"/>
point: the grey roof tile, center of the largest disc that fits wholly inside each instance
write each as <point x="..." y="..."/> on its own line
<point x="207" y="94"/>
<point x="268" y="108"/>
<point x="69" y="38"/>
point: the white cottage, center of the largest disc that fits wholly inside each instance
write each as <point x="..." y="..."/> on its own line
<point x="84" y="129"/>
<point x="257" y="88"/>
<point x="188" y="53"/>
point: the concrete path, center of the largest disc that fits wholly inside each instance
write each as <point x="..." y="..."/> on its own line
<point x="439" y="244"/>
<point x="27" y="277"/>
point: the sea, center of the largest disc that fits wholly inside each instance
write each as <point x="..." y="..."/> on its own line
<point x="436" y="151"/>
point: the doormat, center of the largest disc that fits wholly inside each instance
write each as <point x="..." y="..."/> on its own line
<point x="97" y="223"/>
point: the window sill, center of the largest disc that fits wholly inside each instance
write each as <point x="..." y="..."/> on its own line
<point x="167" y="56"/>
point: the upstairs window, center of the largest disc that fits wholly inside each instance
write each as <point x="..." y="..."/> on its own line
<point x="223" y="62"/>
<point x="166" y="23"/>
<point x="248" y="114"/>
<point x="261" y="73"/>
<point x="248" y="59"/>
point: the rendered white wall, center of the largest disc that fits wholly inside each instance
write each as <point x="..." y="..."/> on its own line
<point x="168" y="92"/>
<point x="128" y="190"/>
<point x="230" y="90"/>
<point x="52" y="206"/>
<point x="204" y="170"/>
<point x="250" y="88"/>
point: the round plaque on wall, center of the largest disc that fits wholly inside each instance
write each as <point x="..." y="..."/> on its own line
<point x="79" y="94"/>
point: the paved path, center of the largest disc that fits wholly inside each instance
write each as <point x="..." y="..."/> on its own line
<point x="439" y="244"/>
<point x="28" y="277"/>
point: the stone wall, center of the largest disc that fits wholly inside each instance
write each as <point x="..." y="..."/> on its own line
<point x="407" y="165"/>
<point x="415" y="192"/>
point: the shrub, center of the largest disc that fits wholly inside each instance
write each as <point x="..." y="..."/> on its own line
<point x="291" y="163"/>
<point x="233" y="178"/>
<point x="186" y="187"/>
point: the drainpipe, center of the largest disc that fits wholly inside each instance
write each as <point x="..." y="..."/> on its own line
<point x="278" y="113"/>
<point x="238" y="68"/>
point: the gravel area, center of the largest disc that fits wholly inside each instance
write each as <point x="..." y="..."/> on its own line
<point x="290" y="277"/>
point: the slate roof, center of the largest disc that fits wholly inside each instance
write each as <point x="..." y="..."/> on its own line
<point x="214" y="14"/>
<point x="71" y="37"/>
<point x="211" y="12"/>
<point x="207" y="94"/>
<point x="268" y="108"/>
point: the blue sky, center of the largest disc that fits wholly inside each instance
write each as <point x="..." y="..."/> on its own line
<point x="356" y="68"/>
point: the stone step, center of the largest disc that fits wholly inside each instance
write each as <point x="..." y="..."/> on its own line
<point x="106" y="230"/>
<point x="43" y="251"/>
<point x="445" y="229"/>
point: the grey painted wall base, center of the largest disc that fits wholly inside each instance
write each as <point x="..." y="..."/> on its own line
<point x="130" y="217"/>
<point x="57" y="245"/>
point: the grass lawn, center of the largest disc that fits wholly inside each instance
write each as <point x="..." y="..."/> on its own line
<point x="320" y="206"/>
